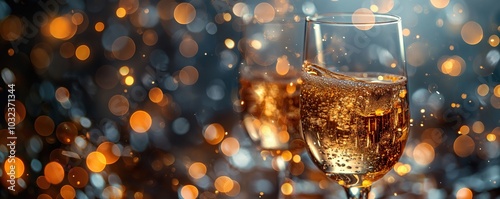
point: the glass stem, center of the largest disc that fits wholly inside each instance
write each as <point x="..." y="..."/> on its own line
<point x="282" y="175"/>
<point x="357" y="192"/>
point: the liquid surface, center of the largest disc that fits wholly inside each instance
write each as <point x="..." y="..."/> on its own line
<point x="355" y="124"/>
<point x="271" y="113"/>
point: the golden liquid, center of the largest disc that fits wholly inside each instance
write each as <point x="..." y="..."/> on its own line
<point x="271" y="110"/>
<point x="355" y="124"/>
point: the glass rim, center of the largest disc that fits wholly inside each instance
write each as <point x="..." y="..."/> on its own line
<point x="330" y="18"/>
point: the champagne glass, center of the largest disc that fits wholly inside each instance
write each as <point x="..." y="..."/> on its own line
<point x="270" y="85"/>
<point x="354" y="102"/>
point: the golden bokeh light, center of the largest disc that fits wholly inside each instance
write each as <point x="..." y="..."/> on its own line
<point x="363" y="19"/>
<point x="478" y="127"/>
<point x="149" y="37"/>
<point x="67" y="192"/>
<point x="214" y="133"/>
<point x="453" y="66"/>
<point x="472" y="33"/>
<point x="464" y="193"/>
<point x="99" y="26"/>
<point x="42" y="182"/>
<point x="382" y="6"/>
<point x="464" y="146"/>
<point x="54" y="172"/>
<point x="227" y="17"/>
<point x="168" y="159"/>
<point x="197" y="170"/>
<point x="229" y="43"/>
<point x="129" y="80"/>
<point x="78" y="177"/>
<point x="96" y="161"/>
<point x="230" y="146"/>
<point x="491" y="137"/>
<point x="66" y="132"/>
<point x="406" y="32"/>
<point x="287" y="155"/>
<point x="440" y="3"/>
<point x="264" y="12"/>
<point x="44" y="125"/>
<point x="11" y="28"/>
<point x="287" y="189"/>
<point x="184" y="13"/>
<point x="188" y="75"/>
<point x="62" y="28"/>
<point x="494" y="40"/>
<point x="423" y="154"/>
<point x="189" y="192"/>
<point x="402" y="169"/>
<point x="496" y="131"/>
<point x="10" y="52"/>
<point x="175" y="181"/>
<point x="44" y="196"/>
<point x="496" y="90"/>
<point x="240" y="9"/>
<point x="296" y="158"/>
<point x="235" y="190"/>
<point x="464" y="130"/>
<point x="140" y="121"/>
<point x="155" y="95"/>
<point x="224" y="184"/>
<point x="123" y="48"/>
<point x="124" y="70"/>
<point x="121" y="12"/>
<point x="188" y="47"/>
<point x="433" y="136"/>
<point x="110" y="151"/>
<point x="282" y="65"/>
<point x="291" y="88"/>
<point x="62" y="94"/>
<point x="118" y="105"/>
<point x="77" y="18"/>
<point x="112" y="192"/>
<point x="82" y="52"/>
<point x="15" y="165"/>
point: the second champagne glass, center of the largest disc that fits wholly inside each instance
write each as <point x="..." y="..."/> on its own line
<point x="354" y="101"/>
<point x="270" y="85"/>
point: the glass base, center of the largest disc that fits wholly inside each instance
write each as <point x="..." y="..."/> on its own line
<point x="357" y="192"/>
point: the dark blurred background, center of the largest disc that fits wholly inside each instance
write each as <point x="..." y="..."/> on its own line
<point x="139" y="99"/>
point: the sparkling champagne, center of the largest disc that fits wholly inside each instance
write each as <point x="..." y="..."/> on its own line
<point x="271" y="113"/>
<point x="355" y="124"/>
